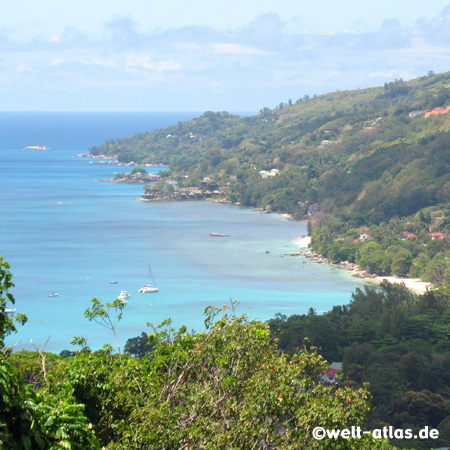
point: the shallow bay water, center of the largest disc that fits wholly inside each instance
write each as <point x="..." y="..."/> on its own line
<point x="63" y="232"/>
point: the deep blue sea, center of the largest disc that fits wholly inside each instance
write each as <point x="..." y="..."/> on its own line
<point x="61" y="231"/>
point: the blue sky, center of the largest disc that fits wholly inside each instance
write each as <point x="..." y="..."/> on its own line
<point x="197" y="55"/>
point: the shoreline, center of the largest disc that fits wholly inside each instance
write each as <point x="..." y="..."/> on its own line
<point x="414" y="284"/>
<point x="113" y="161"/>
<point x="303" y="242"/>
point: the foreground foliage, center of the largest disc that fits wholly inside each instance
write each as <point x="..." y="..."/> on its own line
<point x="226" y="388"/>
<point x="393" y="339"/>
<point x="29" y="419"/>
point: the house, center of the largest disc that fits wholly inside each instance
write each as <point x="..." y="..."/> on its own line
<point x="152" y="177"/>
<point x="407" y="236"/>
<point x="437" y="236"/>
<point x="437" y="111"/>
<point x="265" y="173"/>
<point x="312" y="209"/>
<point x="414" y="114"/>
<point x="191" y="191"/>
<point x="363" y="237"/>
<point x="330" y="376"/>
<point x="210" y="185"/>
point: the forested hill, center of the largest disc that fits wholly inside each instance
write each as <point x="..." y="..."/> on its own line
<point x="381" y="152"/>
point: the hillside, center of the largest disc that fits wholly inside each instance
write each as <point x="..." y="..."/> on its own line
<point x="374" y="151"/>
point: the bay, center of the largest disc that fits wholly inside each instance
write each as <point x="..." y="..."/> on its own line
<point x="63" y="232"/>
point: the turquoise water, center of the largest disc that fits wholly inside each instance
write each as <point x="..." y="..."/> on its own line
<point x="63" y="232"/>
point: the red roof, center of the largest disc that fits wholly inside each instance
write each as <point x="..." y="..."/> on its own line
<point x="331" y="373"/>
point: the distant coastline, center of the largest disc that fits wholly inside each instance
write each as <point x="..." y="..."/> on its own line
<point x="415" y="285"/>
<point x="113" y="161"/>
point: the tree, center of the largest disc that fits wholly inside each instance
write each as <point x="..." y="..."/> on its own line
<point x="138" y="170"/>
<point x="7" y="319"/>
<point x="138" y="346"/>
<point x="107" y="315"/>
<point x="30" y="420"/>
<point x="230" y="388"/>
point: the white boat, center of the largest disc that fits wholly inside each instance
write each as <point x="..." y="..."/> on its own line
<point x="150" y="287"/>
<point x="53" y="294"/>
<point x="37" y="147"/>
<point x="123" y="295"/>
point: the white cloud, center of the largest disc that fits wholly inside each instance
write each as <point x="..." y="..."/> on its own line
<point x="236" y="49"/>
<point x="24" y="67"/>
<point x="384" y="74"/>
<point x="147" y="63"/>
<point x="57" y="62"/>
<point x="104" y="62"/>
<point x="266" y="61"/>
<point x="98" y="62"/>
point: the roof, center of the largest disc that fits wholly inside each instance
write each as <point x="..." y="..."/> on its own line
<point x="337" y="366"/>
<point x="331" y="373"/>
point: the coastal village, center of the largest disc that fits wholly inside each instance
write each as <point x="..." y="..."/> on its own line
<point x="168" y="190"/>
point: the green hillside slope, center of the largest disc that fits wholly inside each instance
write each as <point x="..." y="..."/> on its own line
<point x="372" y="151"/>
<point x="376" y="158"/>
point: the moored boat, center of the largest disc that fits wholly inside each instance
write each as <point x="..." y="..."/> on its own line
<point x="37" y="147"/>
<point x="150" y="287"/>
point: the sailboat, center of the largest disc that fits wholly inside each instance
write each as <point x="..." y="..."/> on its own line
<point x="149" y="288"/>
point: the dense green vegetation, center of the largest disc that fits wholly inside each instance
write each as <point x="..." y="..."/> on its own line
<point x="396" y="341"/>
<point x="417" y="246"/>
<point x="226" y="388"/>
<point x="373" y="152"/>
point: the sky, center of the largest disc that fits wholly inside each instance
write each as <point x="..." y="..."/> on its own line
<point x="199" y="55"/>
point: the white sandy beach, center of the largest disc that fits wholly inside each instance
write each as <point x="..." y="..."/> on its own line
<point x="302" y="241"/>
<point x="415" y="284"/>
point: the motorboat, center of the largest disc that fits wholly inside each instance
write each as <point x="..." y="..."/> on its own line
<point x="123" y="295"/>
<point x="37" y="147"/>
<point x="53" y="294"/>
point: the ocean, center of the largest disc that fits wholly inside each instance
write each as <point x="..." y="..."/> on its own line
<point x="64" y="232"/>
